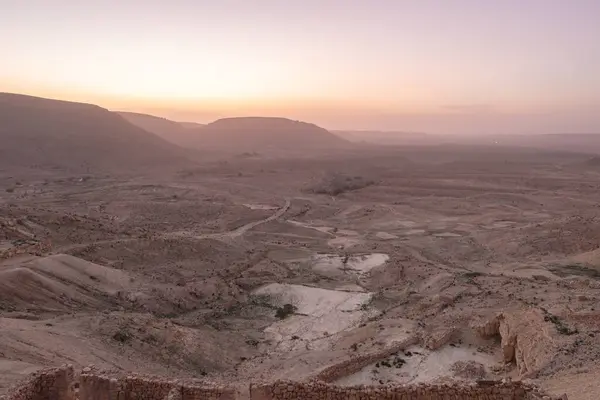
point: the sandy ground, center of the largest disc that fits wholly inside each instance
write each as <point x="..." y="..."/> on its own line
<point x="318" y="312"/>
<point x="581" y="384"/>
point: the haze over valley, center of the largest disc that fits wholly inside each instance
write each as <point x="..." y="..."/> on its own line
<point x="300" y="200"/>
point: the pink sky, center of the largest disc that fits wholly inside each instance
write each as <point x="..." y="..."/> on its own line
<point x="447" y="66"/>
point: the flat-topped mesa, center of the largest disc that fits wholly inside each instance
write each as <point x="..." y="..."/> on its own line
<point x="63" y="384"/>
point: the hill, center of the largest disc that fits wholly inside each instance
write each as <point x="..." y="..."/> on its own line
<point x="191" y="125"/>
<point x="266" y="133"/>
<point x="240" y="134"/>
<point x="174" y="132"/>
<point x="44" y="133"/>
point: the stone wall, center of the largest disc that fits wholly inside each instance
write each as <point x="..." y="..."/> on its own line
<point x="62" y="384"/>
<point x="358" y="362"/>
<point x="440" y="337"/>
<point x="48" y="384"/>
<point x="282" y="390"/>
<point x="103" y="387"/>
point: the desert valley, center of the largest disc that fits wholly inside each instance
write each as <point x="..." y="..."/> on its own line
<point x="265" y="250"/>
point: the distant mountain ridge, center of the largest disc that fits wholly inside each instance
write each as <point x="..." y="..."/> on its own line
<point x="191" y="125"/>
<point x="46" y="133"/>
<point x="238" y="134"/>
<point x="174" y="132"/>
<point x="260" y="133"/>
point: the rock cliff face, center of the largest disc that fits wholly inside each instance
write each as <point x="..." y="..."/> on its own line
<point x="527" y="338"/>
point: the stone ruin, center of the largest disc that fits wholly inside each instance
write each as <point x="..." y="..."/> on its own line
<point x="64" y="384"/>
<point x="527" y="339"/>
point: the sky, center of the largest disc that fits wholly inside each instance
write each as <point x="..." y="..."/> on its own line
<point x="443" y="66"/>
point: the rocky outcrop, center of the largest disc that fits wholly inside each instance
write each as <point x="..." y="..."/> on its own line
<point x="527" y="339"/>
<point x="440" y="337"/>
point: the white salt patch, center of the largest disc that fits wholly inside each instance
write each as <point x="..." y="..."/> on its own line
<point x="319" y="312"/>
<point x="366" y="263"/>
<point x="324" y="229"/>
<point x="260" y="207"/>
<point x="407" y="223"/>
<point x="349" y="288"/>
<point x="346" y="232"/>
<point x="313" y="301"/>
<point x="385" y="236"/>
<point x="343" y="242"/>
<point x="446" y="234"/>
<point x="360" y="264"/>
<point x="412" y="232"/>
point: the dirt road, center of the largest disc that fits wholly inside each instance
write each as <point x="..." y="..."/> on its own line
<point x="235" y="233"/>
<point x="245" y="228"/>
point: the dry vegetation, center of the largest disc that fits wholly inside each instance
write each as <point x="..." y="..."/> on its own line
<point x="338" y="183"/>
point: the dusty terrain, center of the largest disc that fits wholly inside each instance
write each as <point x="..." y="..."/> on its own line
<point x="484" y="261"/>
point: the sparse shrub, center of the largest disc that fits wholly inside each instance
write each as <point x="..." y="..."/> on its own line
<point x="285" y="311"/>
<point x="399" y="362"/>
<point x="122" y="335"/>
<point x="337" y="184"/>
<point x="261" y="300"/>
<point x="560" y="326"/>
<point x="151" y="338"/>
<point x="575" y="269"/>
